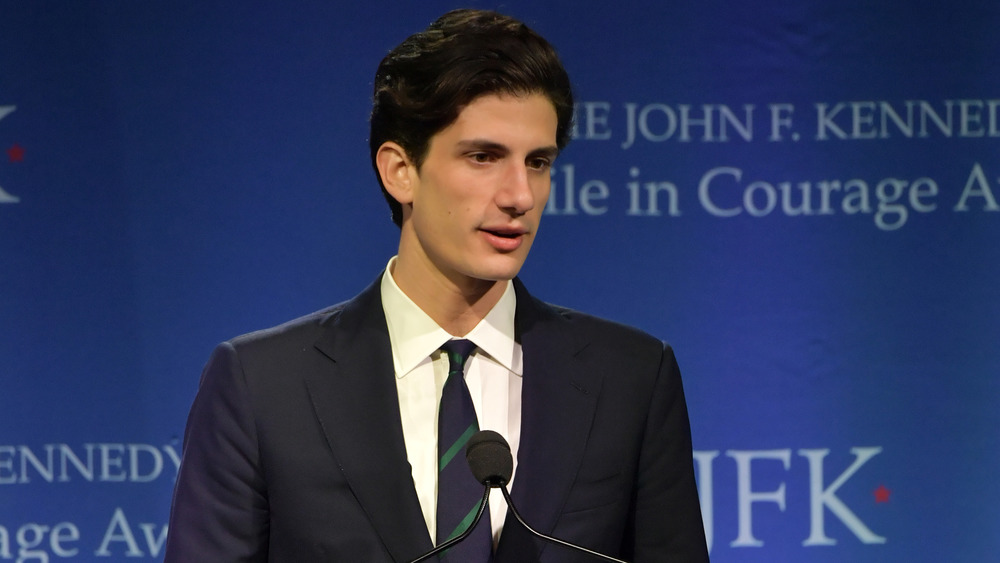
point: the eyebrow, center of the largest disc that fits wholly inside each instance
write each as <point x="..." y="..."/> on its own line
<point x="485" y="144"/>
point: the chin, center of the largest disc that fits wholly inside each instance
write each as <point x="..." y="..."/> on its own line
<point x="499" y="270"/>
<point x="495" y="275"/>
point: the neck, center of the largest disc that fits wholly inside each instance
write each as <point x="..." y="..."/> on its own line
<point x="457" y="306"/>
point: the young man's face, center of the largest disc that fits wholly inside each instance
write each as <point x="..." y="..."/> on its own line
<point x="479" y="195"/>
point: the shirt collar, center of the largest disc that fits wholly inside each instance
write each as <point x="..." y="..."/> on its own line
<point x="414" y="336"/>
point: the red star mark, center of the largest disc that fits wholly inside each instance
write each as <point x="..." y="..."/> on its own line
<point x="15" y="153"/>
<point x="882" y="494"/>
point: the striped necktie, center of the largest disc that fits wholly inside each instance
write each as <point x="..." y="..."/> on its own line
<point x="458" y="491"/>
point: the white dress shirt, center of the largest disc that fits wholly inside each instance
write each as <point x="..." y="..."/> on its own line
<point x="492" y="373"/>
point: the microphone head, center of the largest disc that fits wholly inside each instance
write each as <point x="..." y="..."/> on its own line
<point x="489" y="458"/>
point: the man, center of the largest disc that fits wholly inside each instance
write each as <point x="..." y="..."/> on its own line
<point x="318" y="440"/>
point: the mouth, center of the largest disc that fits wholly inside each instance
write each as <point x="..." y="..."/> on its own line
<point x="503" y="239"/>
<point x="509" y="234"/>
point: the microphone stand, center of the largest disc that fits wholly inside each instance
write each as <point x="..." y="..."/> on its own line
<point x="463" y="535"/>
<point x="493" y="467"/>
<point x="510" y="505"/>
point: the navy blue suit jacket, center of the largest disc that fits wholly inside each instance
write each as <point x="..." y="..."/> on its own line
<point x="294" y="446"/>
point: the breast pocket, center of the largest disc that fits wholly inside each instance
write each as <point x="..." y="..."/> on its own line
<point x="598" y="485"/>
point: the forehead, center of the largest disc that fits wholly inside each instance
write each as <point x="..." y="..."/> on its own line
<point x="527" y="118"/>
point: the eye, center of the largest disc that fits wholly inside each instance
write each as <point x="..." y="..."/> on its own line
<point x="482" y="157"/>
<point x="539" y="163"/>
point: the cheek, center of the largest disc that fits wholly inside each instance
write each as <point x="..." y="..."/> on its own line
<point x="542" y="189"/>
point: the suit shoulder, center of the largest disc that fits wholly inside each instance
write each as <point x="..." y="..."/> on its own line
<point x="606" y="330"/>
<point x="364" y="305"/>
<point x="583" y="327"/>
<point x="267" y="357"/>
<point x="302" y="327"/>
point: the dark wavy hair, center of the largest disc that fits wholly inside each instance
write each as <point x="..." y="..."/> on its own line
<point x="423" y="84"/>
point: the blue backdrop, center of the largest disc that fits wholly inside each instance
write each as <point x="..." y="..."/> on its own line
<point x="801" y="197"/>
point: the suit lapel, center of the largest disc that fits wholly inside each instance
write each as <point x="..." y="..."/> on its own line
<point x="354" y="395"/>
<point x="356" y="402"/>
<point x="558" y="399"/>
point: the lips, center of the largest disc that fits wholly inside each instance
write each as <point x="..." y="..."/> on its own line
<point x="504" y="239"/>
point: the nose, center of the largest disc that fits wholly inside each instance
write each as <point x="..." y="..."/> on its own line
<point x="516" y="195"/>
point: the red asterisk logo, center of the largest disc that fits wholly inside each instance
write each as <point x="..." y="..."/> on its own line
<point x="882" y="494"/>
<point x="15" y="153"/>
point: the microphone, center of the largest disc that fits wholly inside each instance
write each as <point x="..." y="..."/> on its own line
<point x="491" y="468"/>
<point x="489" y="458"/>
<point x="491" y="462"/>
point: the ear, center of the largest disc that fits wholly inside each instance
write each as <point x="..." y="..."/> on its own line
<point x="394" y="168"/>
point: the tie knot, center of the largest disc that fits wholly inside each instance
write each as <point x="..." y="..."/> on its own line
<point x="458" y="352"/>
